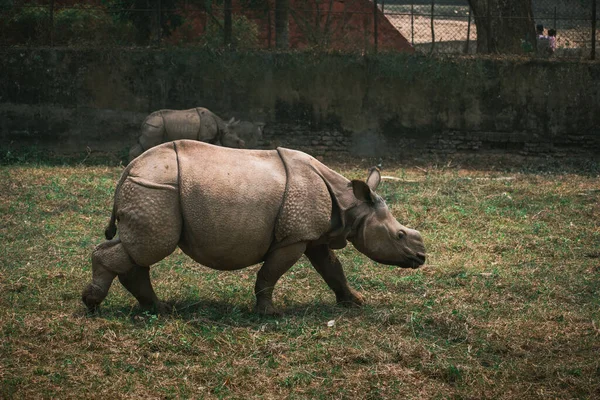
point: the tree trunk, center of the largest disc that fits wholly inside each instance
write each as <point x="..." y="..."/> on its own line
<point x="282" y="24"/>
<point x="227" y="23"/>
<point x="503" y="26"/>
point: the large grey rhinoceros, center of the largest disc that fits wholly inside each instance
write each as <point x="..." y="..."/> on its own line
<point x="196" y="124"/>
<point x="229" y="209"/>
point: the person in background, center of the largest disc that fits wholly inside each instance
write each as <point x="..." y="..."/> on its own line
<point x="543" y="42"/>
<point x="540" y="31"/>
<point x="552" y="39"/>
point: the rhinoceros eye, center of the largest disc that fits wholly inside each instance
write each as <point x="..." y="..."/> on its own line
<point x="400" y="235"/>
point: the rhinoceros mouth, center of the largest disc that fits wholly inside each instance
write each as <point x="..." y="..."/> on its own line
<point x="420" y="257"/>
<point x="412" y="262"/>
<point x="417" y="261"/>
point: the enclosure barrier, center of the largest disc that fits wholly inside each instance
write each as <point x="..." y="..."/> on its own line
<point x="427" y="26"/>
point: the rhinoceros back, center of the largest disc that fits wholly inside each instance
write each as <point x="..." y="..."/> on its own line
<point x="230" y="201"/>
<point x="181" y="124"/>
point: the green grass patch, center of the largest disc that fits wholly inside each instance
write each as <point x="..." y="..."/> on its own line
<point x="508" y="304"/>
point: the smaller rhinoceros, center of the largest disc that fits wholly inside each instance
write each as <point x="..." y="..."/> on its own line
<point x="229" y="209"/>
<point x="196" y="124"/>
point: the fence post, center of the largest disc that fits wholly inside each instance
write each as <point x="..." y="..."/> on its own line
<point x="468" y="31"/>
<point x="269" y="33"/>
<point x="432" y="25"/>
<point x="227" y="22"/>
<point x="51" y="23"/>
<point x="594" y="16"/>
<point x="375" y="32"/>
<point x="159" y="22"/>
<point x="412" y="24"/>
<point x="489" y="27"/>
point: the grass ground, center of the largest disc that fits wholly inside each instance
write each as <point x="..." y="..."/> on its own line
<point x="507" y="307"/>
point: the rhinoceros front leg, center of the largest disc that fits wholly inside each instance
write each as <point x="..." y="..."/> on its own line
<point x="276" y="264"/>
<point x="329" y="267"/>
<point x="108" y="260"/>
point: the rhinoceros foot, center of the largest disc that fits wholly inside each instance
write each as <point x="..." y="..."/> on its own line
<point x="158" y="308"/>
<point x="351" y="299"/>
<point x="92" y="296"/>
<point x="266" y="308"/>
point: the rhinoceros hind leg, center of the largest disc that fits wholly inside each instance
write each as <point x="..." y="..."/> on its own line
<point x="275" y="265"/>
<point x="330" y="268"/>
<point x="108" y="260"/>
<point x="137" y="281"/>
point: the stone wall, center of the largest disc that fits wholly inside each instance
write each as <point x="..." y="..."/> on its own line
<point x="324" y="142"/>
<point x="69" y="100"/>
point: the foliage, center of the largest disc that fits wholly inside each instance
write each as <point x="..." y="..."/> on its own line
<point x="81" y="24"/>
<point x="144" y="15"/>
<point x="315" y="22"/>
<point x="77" y="24"/>
<point x="244" y="33"/>
<point x="506" y="307"/>
<point x="26" y="24"/>
<point x="255" y="4"/>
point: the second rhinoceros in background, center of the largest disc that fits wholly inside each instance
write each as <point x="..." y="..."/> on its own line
<point x="198" y="124"/>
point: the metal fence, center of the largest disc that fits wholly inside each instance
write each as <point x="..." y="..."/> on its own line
<point x="448" y="26"/>
<point x="440" y="26"/>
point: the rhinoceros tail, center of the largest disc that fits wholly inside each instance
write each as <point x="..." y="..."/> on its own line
<point x="111" y="229"/>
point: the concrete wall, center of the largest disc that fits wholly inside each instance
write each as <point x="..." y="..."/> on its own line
<point x="390" y="104"/>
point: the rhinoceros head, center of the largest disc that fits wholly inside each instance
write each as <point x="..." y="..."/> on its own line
<point x="377" y="234"/>
<point x="250" y="132"/>
<point x="230" y="138"/>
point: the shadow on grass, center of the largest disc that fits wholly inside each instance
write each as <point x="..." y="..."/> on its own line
<point x="226" y="314"/>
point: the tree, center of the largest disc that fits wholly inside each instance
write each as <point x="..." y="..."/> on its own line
<point x="503" y="26"/>
<point x="282" y="40"/>
<point x="227" y="18"/>
<point x="153" y="19"/>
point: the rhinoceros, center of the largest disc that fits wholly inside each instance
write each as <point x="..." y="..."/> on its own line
<point x="231" y="208"/>
<point x="196" y="123"/>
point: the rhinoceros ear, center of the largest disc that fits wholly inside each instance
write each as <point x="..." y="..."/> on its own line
<point x="374" y="178"/>
<point x="362" y="192"/>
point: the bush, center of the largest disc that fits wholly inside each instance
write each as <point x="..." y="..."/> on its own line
<point x="30" y="25"/>
<point x="142" y="16"/>
<point x="81" y="24"/>
<point x="26" y="24"/>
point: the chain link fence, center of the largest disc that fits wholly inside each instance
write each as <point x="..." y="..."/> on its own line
<point x="439" y="26"/>
<point x="443" y="26"/>
<point x="448" y="26"/>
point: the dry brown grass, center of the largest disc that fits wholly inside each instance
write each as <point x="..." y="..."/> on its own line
<point x="508" y="306"/>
